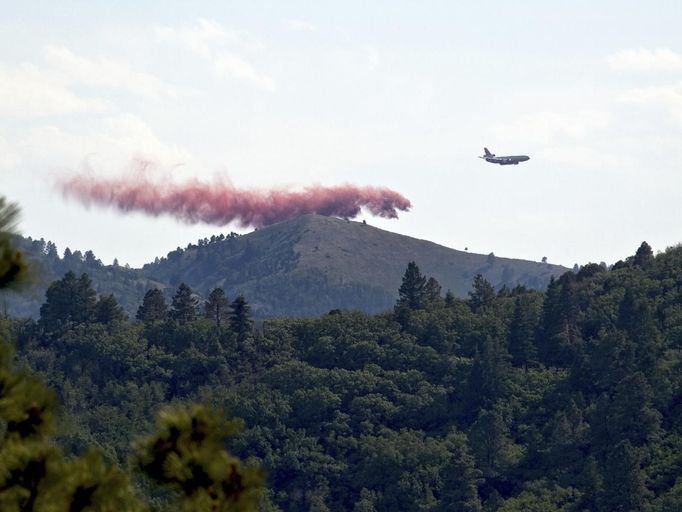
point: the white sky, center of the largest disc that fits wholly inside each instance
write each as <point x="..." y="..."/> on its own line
<point x="402" y="94"/>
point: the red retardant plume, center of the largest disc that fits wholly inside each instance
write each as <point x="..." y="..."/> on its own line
<point x="221" y="203"/>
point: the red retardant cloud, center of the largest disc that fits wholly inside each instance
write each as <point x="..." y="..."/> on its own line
<point x="221" y="203"/>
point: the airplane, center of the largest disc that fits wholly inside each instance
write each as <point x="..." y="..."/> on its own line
<point x="503" y="160"/>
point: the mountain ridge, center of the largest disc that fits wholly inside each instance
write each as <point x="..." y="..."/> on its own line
<point x="304" y="266"/>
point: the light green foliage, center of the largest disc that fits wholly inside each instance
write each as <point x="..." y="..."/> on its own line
<point x="187" y="455"/>
<point x="34" y="473"/>
<point x="671" y="501"/>
<point x="542" y="496"/>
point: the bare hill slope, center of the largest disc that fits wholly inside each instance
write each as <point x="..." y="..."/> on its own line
<point x="311" y="264"/>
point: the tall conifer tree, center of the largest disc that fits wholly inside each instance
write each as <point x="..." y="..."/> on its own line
<point x="153" y="307"/>
<point x="184" y="306"/>
<point x="216" y="307"/>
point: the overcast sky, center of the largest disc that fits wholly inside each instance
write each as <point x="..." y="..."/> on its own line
<point x="396" y="93"/>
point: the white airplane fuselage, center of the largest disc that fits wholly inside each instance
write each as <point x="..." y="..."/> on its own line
<point x="507" y="160"/>
<point x="503" y="160"/>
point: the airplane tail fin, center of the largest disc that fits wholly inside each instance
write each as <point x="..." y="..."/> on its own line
<point x="487" y="153"/>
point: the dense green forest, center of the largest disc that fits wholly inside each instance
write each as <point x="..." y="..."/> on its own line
<point x="508" y="400"/>
<point x="182" y="464"/>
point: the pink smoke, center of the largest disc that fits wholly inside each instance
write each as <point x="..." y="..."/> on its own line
<point x="221" y="203"/>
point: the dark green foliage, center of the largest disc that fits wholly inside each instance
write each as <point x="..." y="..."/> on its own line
<point x="34" y="474"/>
<point x="461" y="477"/>
<point x="589" y="270"/>
<point x="432" y="292"/>
<point x="491" y="445"/>
<point x="490" y="376"/>
<point x="71" y="300"/>
<point x="216" y="307"/>
<point x="671" y="501"/>
<point x="644" y="256"/>
<point x="416" y="293"/>
<point x="107" y="310"/>
<point x="153" y="307"/>
<point x="412" y="290"/>
<point x="482" y="295"/>
<point x="187" y="452"/>
<point x="624" y="486"/>
<point x="184" y="305"/>
<point x="626" y="415"/>
<point x="522" y="330"/>
<point x="240" y="317"/>
<point x="559" y="327"/>
<point x="512" y="400"/>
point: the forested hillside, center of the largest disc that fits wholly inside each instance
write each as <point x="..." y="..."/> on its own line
<point x="306" y="266"/>
<point x="181" y="465"/>
<point x="508" y="400"/>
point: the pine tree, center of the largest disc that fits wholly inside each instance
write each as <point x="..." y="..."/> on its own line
<point x="108" y="310"/>
<point x="13" y="267"/>
<point x="521" y="339"/>
<point x="34" y="473"/>
<point x="490" y="443"/>
<point x="626" y="416"/>
<point x="490" y="374"/>
<point x="240" y="318"/>
<point x="184" y="305"/>
<point x="411" y="291"/>
<point x="84" y="300"/>
<point x="461" y="477"/>
<point x="635" y="316"/>
<point x="51" y="251"/>
<point x="432" y="291"/>
<point x="624" y="488"/>
<point x="644" y="256"/>
<point x="187" y="455"/>
<point x="68" y="300"/>
<point x="366" y="502"/>
<point x="91" y="260"/>
<point x="482" y="295"/>
<point x="411" y="294"/>
<point x="216" y="307"/>
<point x="153" y="307"/>
<point x="560" y="335"/>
